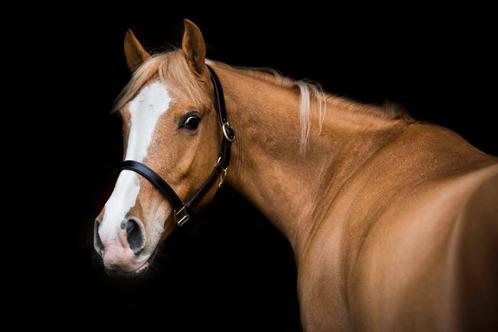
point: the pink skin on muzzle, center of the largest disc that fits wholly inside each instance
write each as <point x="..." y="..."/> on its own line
<point x="119" y="256"/>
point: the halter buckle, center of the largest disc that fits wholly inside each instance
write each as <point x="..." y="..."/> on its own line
<point x="223" y="175"/>
<point x="228" y="131"/>
<point x="181" y="216"/>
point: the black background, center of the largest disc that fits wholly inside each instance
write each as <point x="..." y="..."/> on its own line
<point x="230" y="270"/>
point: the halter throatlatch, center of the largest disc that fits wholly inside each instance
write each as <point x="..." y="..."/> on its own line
<point x="182" y="210"/>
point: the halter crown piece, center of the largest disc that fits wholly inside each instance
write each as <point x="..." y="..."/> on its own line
<point x="182" y="210"/>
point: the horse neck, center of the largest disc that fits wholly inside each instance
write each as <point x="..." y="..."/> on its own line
<point x="292" y="188"/>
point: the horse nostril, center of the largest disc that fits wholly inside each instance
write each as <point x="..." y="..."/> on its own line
<point x="97" y="242"/>
<point x="135" y="237"/>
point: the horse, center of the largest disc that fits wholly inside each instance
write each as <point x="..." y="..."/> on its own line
<point x="393" y="222"/>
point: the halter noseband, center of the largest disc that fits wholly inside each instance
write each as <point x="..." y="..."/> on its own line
<point x="182" y="210"/>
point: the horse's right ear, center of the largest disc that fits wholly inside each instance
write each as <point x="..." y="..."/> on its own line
<point x="134" y="51"/>
<point x="193" y="47"/>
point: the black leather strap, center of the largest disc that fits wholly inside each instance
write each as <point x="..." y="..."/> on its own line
<point x="228" y="132"/>
<point x="182" y="210"/>
<point x="164" y="188"/>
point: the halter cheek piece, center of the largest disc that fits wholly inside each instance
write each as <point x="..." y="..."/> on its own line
<point x="182" y="210"/>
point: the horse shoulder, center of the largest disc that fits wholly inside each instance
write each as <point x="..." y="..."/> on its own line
<point x="431" y="257"/>
<point x="383" y="252"/>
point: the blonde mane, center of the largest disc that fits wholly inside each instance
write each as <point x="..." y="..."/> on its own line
<point x="173" y="66"/>
<point x="312" y="97"/>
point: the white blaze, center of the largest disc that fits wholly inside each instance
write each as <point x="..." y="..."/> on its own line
<point x="145" y="110"/>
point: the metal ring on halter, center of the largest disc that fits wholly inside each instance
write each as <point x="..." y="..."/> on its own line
<point x="228" y="132"/>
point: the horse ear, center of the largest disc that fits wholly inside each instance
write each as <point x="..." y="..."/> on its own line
<point x="134" y="51"/>
<point x="193" y="47"/>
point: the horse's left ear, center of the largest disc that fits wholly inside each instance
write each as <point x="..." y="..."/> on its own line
<point x="134" y="51"/>
<point x="193" y="47"/>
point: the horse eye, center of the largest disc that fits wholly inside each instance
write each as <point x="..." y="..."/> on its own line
<point x="191" y="121"/>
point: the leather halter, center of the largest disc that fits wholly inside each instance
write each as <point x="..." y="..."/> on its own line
<point x="182" y="210"/>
